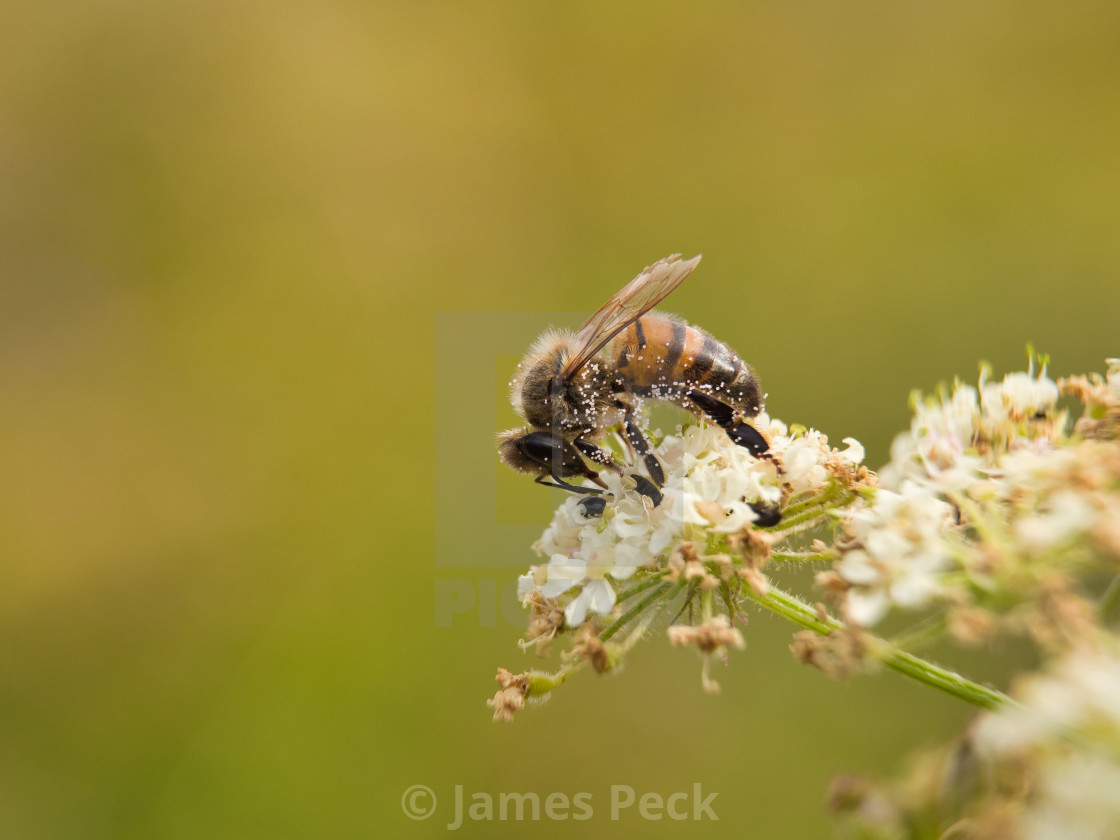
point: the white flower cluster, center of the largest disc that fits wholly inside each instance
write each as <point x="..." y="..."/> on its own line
<point x="1080" y="694"/>
<point x="1101" y="396"/>
<point x="1044" y="768"/>
<point x="710" y="485"/>
<point x="1067" y="734"/>
<point x="898" y="554"/>
<point x="985" y="481"/>
<point x="952" y="440"/>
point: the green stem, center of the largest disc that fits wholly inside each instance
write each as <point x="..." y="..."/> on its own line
<point x="641" y="587"/>
<point x="1109" y="599"/>
<point x="921" y="634"/>
<point x="824" y="497"/>
<point x="791" y="608"/>
<point x="789" y="522"/>
<point x="634" y="611"/>
<point x="707" y="605"/>
<point x="806" y="526"/>
<point x="811" y="509"/>
<point x="944" y="680"/>
<point x="802" y="556"/>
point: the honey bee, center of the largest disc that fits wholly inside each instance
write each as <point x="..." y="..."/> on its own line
<point x="571" y="388"/>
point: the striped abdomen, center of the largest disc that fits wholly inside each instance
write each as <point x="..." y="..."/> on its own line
<point x="664" y="358"/>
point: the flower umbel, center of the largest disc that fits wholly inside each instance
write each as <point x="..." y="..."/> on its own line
<point x="691" y="561"/>
<point x="993" y="515"/>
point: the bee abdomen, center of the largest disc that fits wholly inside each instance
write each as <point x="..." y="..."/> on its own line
<point x="663" y="357"/>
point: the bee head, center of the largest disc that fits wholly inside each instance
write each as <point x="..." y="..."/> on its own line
<point x="538" y="387"/>
<point x="539" y="452"/>
<point x="541" y="396"/>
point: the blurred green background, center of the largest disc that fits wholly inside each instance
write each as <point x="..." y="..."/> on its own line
<point x="265" y="269"/>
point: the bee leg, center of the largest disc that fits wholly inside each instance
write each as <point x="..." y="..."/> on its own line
<point x="724" y="416"/>
<point x="744" y="435"/>
<point x="750" y="438"/>
<point x="560" y="484"/>
<point x="647" y="488"/>
<point x="597" y="454"/>
<point x="641" y="446"/>
<point x="592" y="506"/>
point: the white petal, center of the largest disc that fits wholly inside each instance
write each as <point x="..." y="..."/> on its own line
<point x="629" y="526"/>
<point x="913" y="590"/>
<point x="661" y="540"/>
<point x="740" y="516"/>
<point x="866" y="608"/>
<point x="888" y="546"/>
<point x="855" y="453"/>
<point x="526" y="586"/>
<point x="563" y="573"/>
<point x="576" y="611"/>
<point x="602" y="596"/>
<point x="856" y="567"/>
<point x="556" y="588"/>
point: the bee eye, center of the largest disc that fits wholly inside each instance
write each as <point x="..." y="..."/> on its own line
<point x="539" y="447"/>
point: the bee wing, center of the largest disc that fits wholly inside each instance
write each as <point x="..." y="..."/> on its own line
<point x="635" y="299"/>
